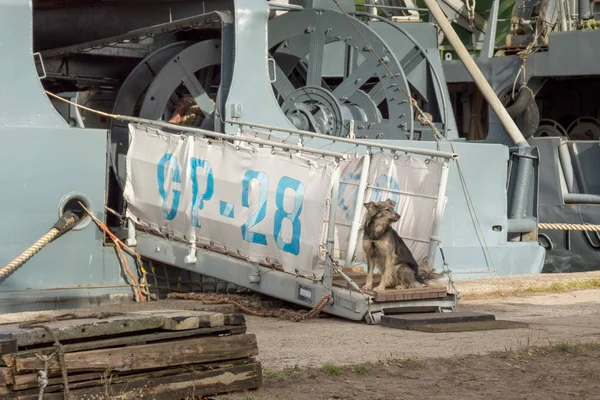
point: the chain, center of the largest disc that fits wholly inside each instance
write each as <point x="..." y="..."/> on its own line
<point x="470" y="4"/>
<point x="295" y="316"/>
<point x="448" y="272"/>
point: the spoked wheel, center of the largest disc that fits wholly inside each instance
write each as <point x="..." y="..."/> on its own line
<point x="368" y="94"/>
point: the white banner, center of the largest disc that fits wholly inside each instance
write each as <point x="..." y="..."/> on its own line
<point x="262" y="206"/>
<point x="411" y="182"/>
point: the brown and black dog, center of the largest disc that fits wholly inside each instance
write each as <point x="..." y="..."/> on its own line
<point x="385" y="249"/>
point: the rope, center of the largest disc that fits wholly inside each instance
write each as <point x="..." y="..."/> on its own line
<point x="119" y="245"/>
<point x="569" y="227"/>
<point x="283" y="314"/>
<point x="30" y="252"/>
<point x="43" y="374"/>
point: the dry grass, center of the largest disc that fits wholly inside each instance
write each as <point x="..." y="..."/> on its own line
<point x="554" y="287"/>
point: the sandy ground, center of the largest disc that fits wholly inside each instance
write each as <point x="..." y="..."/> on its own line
<point x="464" y="364"/>
<point x="573" y="316"/>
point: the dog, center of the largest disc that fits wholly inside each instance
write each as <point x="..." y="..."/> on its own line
<point x="385" y="249"/>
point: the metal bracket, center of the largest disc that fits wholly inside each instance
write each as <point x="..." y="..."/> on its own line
<point x="41" y="64"/>
<point x="191" y="257"/>
<point x="272" y="60"/>
<point x="131" y="240"/>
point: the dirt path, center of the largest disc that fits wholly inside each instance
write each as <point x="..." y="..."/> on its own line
<point x="558" y="357"/>
<point x="562" y="372"/>
<point x="573" y="316"/>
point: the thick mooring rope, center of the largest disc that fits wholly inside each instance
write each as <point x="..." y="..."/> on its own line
<point x="569" y="227"/>
<point x="30" y="252"/>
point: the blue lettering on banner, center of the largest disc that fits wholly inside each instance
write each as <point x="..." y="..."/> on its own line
<point x="388" y="183"/>
<point x="348" y="208"/>
<point x="227" y="209"/>
<point x="259" y="215"/>
<point x="197" y="199"/>
<point x="293" y="246"/>
<point x="169" y="214"/>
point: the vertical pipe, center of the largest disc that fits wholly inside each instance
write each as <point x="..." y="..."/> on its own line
<point x="328" y="276"/>
<point x="563" y="15"/>
<point x="360" y="198"/>
<point x="439" y="211"/>
<point x="524" y="173"/>
<point x="489" y="41"/>
<point x="507" y="122"/>
<point x="566" y="165"/>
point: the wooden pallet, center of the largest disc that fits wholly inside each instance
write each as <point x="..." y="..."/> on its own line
<point x="407" y="294"/>
<point x="168" y="354"/>
<point x="360" y="277"/>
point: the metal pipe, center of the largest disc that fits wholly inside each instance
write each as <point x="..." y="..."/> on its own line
<point x="585" y="10"/>
<point x="566" y="164"/>
<point x="285" y="7"/>
<point x="507" y="122"/>
<point x="372" y="6"/>
<point x="360" y="197"/>
<point x="357" y="142"/>
<point x="489" y="41"/>
<point x="581" y="198"/>
<point x="563" y="16"/>
<point x="218" y="135"/>
<point x="523" y="225"/>
<point x="328" y="275"/>
<point x="439" y="211"/>
<point x="398" y="7"/>
<point x="578" y="170"/>
<point x="524" y="172"/>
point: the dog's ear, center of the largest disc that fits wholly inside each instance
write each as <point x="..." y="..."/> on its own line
<point x="391" y="202"/>
<point x="370" y="206"/>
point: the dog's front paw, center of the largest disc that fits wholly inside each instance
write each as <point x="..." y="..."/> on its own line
<point x="368" y="287"/>
<point x="380" y="288"/>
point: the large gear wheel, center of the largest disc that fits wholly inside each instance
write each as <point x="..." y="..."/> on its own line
<point x="367" y="94"/>
<point x="156" y="88"/>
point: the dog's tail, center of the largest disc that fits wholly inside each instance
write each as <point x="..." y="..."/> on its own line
<point x="427" y="272"/>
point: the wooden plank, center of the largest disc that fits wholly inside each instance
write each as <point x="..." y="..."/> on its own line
<point x="353" y="269"/>
<point x="165" y="385"/>
<point x="150" y="356"/>
<point x="235" y="319"/>
<point x="130" y="341"/>
<point x="468" y="326"/>
<point x="29" y="381"/>
<point x="404" y="321"/>
<point x="7" y="345"/>
<point x="6" y="376"/>
<point x="82" y="328"/>
<point x="186" y="319"/>
<point x="26" y="381"/>
<point x="99" y="378"/>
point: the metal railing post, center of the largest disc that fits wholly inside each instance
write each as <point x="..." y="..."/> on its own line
<point x="330" y="244"/>
<point x="360" y="198"/>
<point x="439" y="211"/>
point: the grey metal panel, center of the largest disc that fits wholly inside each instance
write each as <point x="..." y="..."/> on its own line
<point x="549" y="173"/>
<point x="586" y="163"/>
<point x="250" y="89"/>
<point x="78" y="24"/>
<point x="42" y="166"/>
<point x="572" y="251"/>
<point x="18" y="74"/>
<point x="574" y="53"/>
